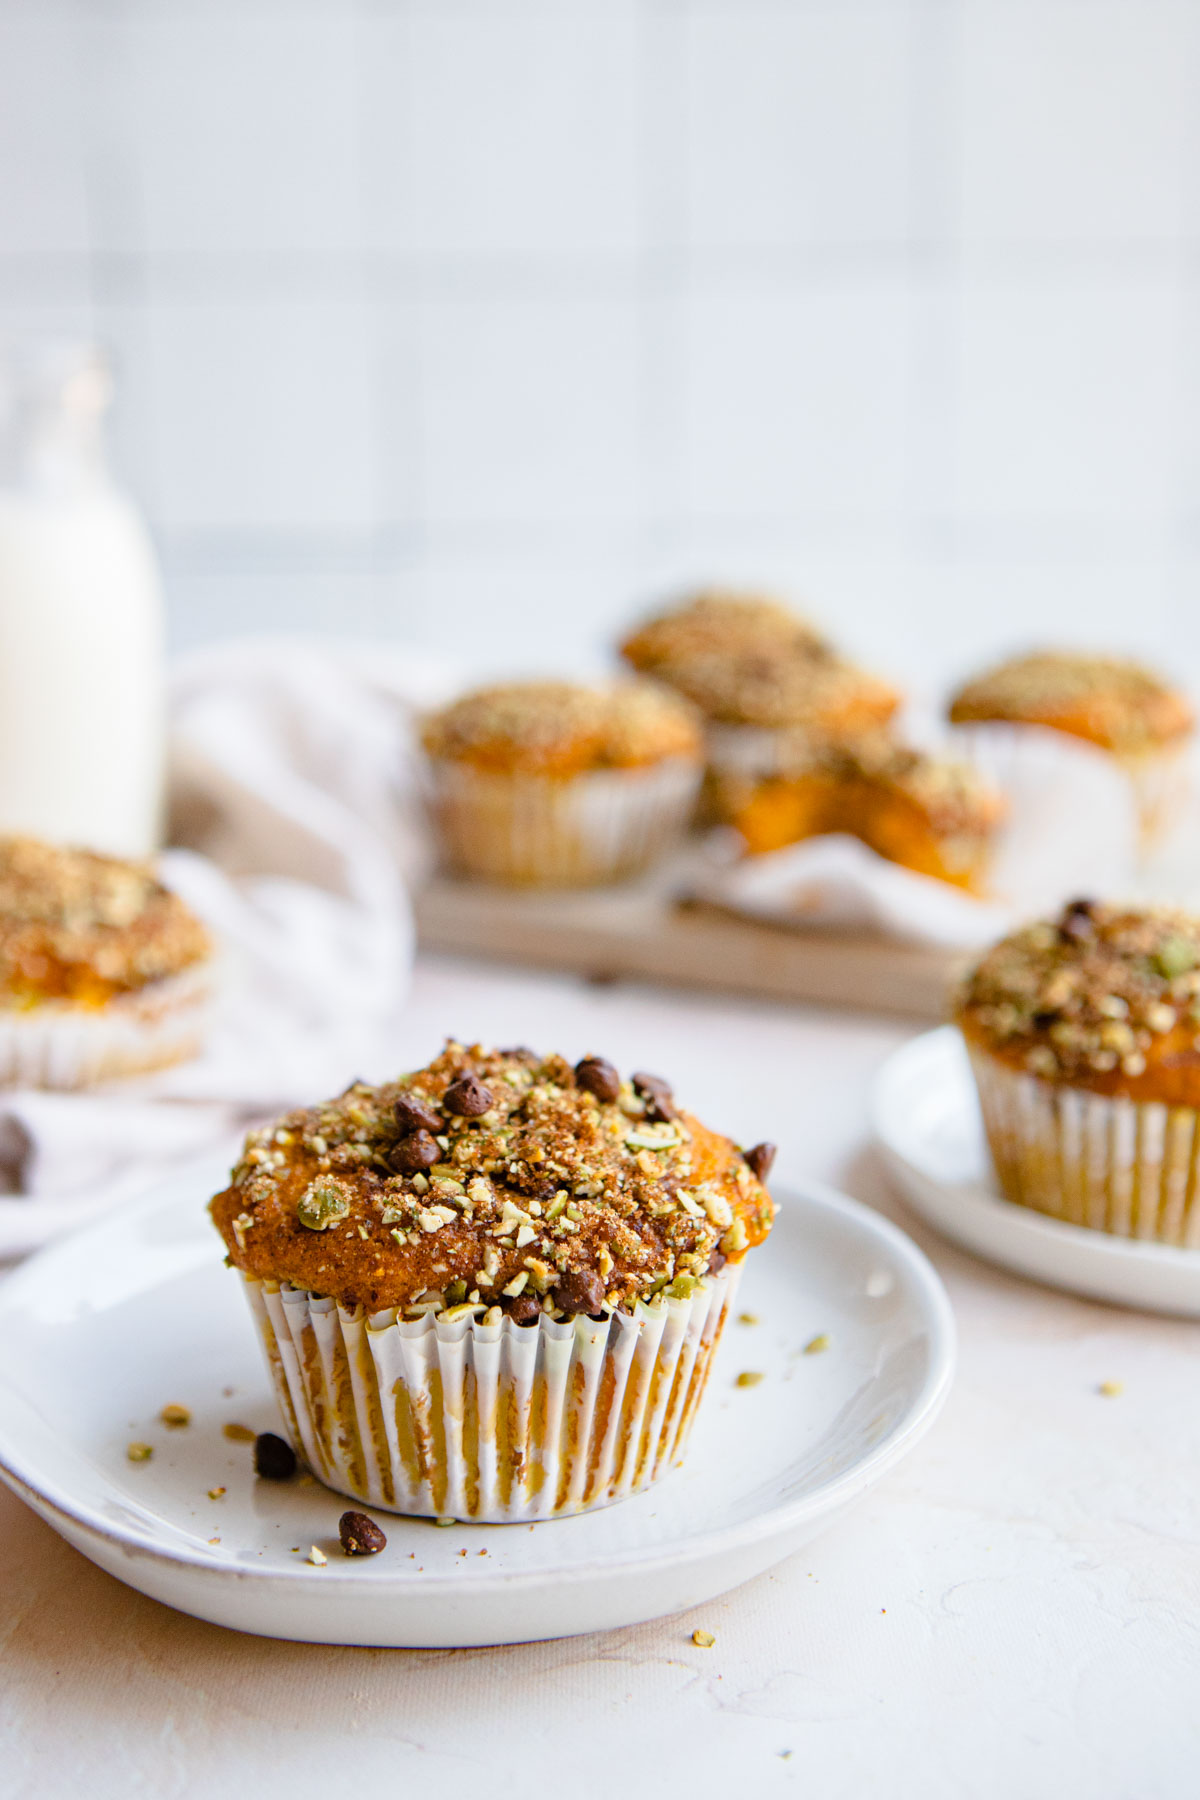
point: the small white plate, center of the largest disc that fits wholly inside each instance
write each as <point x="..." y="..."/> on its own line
<point x="928" y="1128"/>
<point x="99" y="1332"/>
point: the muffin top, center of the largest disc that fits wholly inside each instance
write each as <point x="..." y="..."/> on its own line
<point x="494" y="1178"/>
<point x="561" y="728"/>
<point x="1104" y="997"/>
<point x="746" y="660"/>
<point x="82" y="927"/>
<point x="1108" y="700"/>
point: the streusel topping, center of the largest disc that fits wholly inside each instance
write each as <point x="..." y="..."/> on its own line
<point x="80" y="926"/>
<point x="749" y="661"/>
<point x="1113" y="701"/>
<point x="495" y="1178"/>
<point x="557" y="726"/>
<point x="1099" y="991"/>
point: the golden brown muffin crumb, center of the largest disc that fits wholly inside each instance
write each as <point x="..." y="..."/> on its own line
<point x="549" y="1198"/>
<point x="78" y="926"/>
<point x="561" y="728"/>
<point x="1104" y="997"/>
<point x="1108" y="700"/>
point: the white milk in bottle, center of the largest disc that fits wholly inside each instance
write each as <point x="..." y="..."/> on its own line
<point x="81" y="619"/>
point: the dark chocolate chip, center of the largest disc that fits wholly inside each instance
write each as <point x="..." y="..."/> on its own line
<point x="761" y="1159"/>
<point x="716" y="1262"/>
<point x="415" y="1115"/>
<point x="359" y="1535"/>
<point x="660" y="1101"/>
<point x="598" y="1077"/>
<point x="413" y="1154"/>
<point x="1042" y="1021"/>
<point x="579" y="1291"/>
<point x="274" y="1459"/>
<point x="524" y="1309"/>
<point x="1077" y="924"/>
<point x="467" y="1097"/>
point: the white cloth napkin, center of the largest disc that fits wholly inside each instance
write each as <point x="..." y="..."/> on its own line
<point x="293" y="786"/>
<point x="1071" y="829"/>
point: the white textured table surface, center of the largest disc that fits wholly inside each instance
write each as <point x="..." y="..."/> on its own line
<point x="1015" y="1613"/>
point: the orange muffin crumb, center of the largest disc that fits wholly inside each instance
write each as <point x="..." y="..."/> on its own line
<point x="927" y="813"/>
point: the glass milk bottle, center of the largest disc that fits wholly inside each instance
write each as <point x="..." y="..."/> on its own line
<point x="81" y="619"/>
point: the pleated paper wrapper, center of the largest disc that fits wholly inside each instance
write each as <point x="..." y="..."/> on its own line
<point x="527" y="830"/>
<point x="1127" y="1167"/>
<point x="489" y="1423"/>
<point x="60" y="1045"/>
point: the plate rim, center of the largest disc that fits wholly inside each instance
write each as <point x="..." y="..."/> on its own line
<point x="778" y="1521"/>
<point x="1119" y="1252"/>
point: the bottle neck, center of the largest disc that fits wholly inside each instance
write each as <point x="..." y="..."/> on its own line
<point x="52" y="426"/>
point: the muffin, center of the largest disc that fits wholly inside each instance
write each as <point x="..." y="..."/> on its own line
<point x="762" y="676"/>
<point x="552" y="784"/>
<point x="1084" y="1038"/>
<point x="927" y="813"/>
<point x="492" y="1289"/>
<point x="103" y="971"/>
<point x="1108" y="701"/>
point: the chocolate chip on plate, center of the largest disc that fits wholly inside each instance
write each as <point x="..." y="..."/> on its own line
<point x="414" y="1153"/>
<point x="467" y="1097"/>
<point x="761" y="1159"/>
<point x="657" y="1094"/>
<point x="597" y="1076"/>
<point x="414" y="1115"/>
<point x="274" y="1459"/>
<point x="360" y="1536"/>
<point x="579" y="1291"/>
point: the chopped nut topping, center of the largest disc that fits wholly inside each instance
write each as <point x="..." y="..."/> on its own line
<point x="1088" y="994"/>
<point x="78" y="926"/>
<point x="536" y="1189"/>
<point x="175" y="1415"/>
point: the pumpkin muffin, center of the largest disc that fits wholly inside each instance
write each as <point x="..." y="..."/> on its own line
<point x="928" y="813"/>
<point x="551" y="783"/>
<point x="1110" y="702"/>
<point x="762" y="676"/>
<point x="1084" y="1038"/>
<point x="103" y="971"/>
<point x="492" y="1289"/>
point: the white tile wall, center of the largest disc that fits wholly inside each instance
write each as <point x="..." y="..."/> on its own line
<point x="798" y="125"/>
<point x="484" y="322"/>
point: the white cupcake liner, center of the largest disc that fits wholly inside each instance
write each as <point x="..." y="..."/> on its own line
<point x="1154" y="785"/>
<point x="751" y="752"/>
<point x="1127" y="1167"/>
<point x="57" y="1044"/>
<point x="1162" y="785"/>
<point x="528" y="830"/>
<point x="491" y="1423"/>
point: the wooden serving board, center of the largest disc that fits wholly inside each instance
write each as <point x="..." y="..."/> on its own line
<point x="645" y="931"/>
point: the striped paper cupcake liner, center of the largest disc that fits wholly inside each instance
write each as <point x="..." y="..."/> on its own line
<point x="1127" y="1167"/>
<point x="496" y="1423"/>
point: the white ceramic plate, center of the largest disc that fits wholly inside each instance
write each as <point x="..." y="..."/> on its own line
<point x="928" y="1129"/>
<point x="100" y="1331"/>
